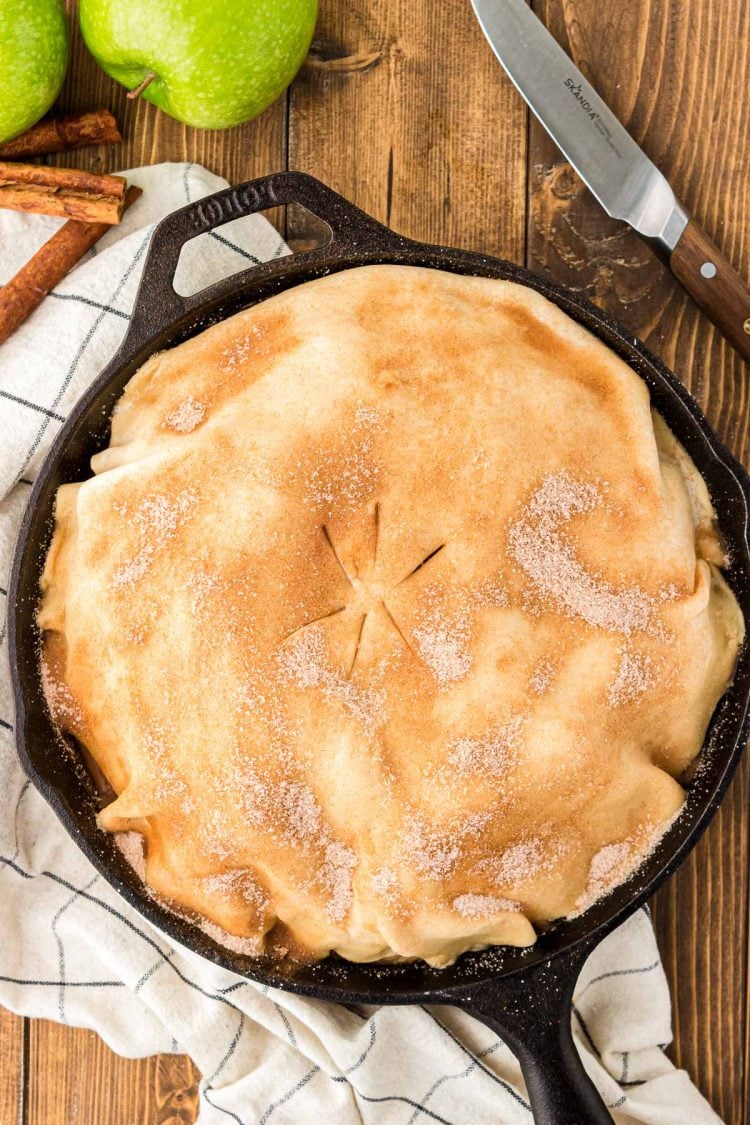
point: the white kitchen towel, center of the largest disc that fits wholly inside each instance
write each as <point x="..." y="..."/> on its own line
<point x="72" y="950"/>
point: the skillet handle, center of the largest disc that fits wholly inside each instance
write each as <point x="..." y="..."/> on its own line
<point x="531" y="1012"/>
<point x="157" y="304"/>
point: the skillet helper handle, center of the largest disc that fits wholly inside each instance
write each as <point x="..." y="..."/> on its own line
<point x="158" y="305"/>
<point x="715" y="286"/>
<point x="531" y="1011"/>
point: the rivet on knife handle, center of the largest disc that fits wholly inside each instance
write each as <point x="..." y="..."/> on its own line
<point x="714" y="284"/>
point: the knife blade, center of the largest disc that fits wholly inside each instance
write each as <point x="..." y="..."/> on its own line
<point x="626" y="183"/>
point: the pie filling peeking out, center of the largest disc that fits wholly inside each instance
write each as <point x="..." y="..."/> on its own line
<point x="392" y="616"/>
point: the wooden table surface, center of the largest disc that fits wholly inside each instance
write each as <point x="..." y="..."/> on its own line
<point x="402" y="108"/>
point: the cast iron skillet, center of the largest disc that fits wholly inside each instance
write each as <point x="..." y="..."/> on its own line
<point x="525" y="996"/>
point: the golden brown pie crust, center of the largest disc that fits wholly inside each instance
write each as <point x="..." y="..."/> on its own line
<point x="393" y="616"/>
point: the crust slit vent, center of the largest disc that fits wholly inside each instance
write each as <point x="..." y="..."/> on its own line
<point x="424" y="562"/>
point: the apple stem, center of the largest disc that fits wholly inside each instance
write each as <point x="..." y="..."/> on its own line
<point x="136" y="93"/>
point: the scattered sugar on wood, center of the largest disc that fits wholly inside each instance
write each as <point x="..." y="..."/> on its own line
<point x="634" y="677"/>
<point x="131" y="847"/>
<point x="483" y="906"/>
<point x="187" y="416"/>
<point x="550" y="563"/>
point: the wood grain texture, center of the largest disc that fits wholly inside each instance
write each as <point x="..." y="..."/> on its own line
<point x="665" y="70"/>
<point x="403" y="108"/>
<point x="715" y="286"/>
<point x="11" y="1068"/>
<point x="77" y="1079"/>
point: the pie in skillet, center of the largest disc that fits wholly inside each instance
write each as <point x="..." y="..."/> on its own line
<point x="392" y="616"/>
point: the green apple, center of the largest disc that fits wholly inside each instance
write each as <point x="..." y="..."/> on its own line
<point x="209" y="63"/>
<point x="33" y="58"/>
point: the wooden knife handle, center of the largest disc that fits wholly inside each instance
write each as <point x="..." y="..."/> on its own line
<point x="714" y="285"/>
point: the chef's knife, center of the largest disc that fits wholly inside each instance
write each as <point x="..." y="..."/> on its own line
<point x="610" y="163"/>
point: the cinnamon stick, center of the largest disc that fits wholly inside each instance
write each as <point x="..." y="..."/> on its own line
<point x="46" y="176"/>
<point x="24" y="292"/>
<point x="66" y="192"/>
<point x="63" y="135"/>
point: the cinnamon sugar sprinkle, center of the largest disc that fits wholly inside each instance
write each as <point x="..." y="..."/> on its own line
<point x="187" y="416"/>
<point x="351" y="477"/>
<point x="523" y="860"/>
<point x="63" y="706"/>
<point x="385" y="884"/>
<point x="492" y="753"/>
<point x="491" y="592"/>
<point x="130" y="845"/>
<point x="336" y="875"/>
<point x="156" y="519"/>
<point x="483" y="906"/>
<point x="443" y="644"/>
<point x="541" y="677"/>
<point x="235" y="356"/>
<point x="289" y="810"/>
<point x="616" y="862"/>
<point x="303" y="662"/>
<point x="434" y="853"/>
<point x="635" y="676"/>
<point x="245" y="946"/>
<point x="168" y="785"/>
<point x="536" y="543"/>
<point x="238" y="882"/>
<point x="201" y="585"/>
<point x="608" y="866"/>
